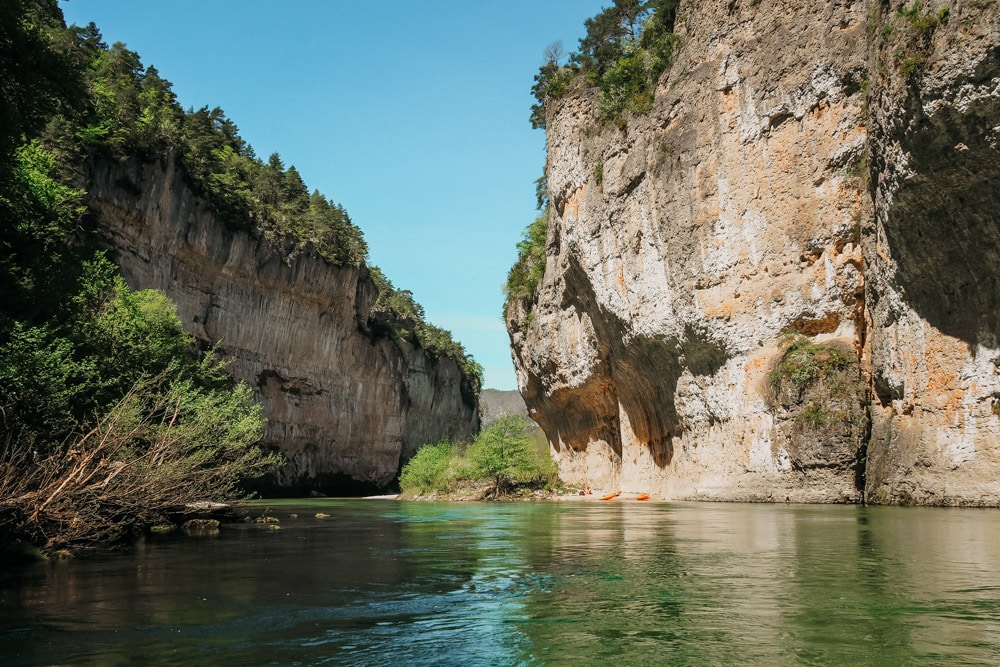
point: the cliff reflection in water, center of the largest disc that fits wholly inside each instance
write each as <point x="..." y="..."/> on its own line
<point x="530" y="583"/>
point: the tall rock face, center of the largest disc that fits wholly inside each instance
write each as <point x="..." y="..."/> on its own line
<point x="346" y="405"/>
<point x="780" y="278"/>
<point x="933" y="258"/>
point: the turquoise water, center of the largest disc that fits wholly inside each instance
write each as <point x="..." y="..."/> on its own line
<point x="625" y="583"/>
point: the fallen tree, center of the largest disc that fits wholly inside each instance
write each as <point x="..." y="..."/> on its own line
<point x="164" y="444"/>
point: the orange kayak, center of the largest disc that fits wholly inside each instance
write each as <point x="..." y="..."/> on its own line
<point x="612" y="496"/>
<point x="642" y="496"/>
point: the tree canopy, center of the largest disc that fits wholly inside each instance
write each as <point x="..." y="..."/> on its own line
<point x="625" y="49"/>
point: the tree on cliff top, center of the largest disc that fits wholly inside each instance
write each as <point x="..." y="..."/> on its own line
<point x="626" y="48"/>
<point x="132" y="111"/>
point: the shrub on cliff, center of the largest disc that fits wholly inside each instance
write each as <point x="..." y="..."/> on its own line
<point x="626" y="48"/>
<point x="805" y="362"/>
<point x="524" y="277"/>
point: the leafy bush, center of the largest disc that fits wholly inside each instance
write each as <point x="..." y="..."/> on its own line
<point x="524" y="277"/>
<point x="505" y="455"/>
<point x="425" y="470"/>
<point x="804" y="362"/>
<point x="164" y="444"/>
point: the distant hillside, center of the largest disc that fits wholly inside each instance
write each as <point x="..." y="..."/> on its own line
<point x="494" y="403"/>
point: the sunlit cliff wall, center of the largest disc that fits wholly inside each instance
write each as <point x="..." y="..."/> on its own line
<point x="345" y="404"/>
<point x="788" y="181"/>
<point x="933" y="257"/>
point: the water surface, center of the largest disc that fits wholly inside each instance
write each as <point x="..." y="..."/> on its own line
<point x="384" y="582"/>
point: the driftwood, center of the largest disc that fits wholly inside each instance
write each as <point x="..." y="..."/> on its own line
<point x="140" y="466"/>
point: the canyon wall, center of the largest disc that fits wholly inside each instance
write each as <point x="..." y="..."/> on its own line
<point x="933" y="256"/>
<point x="345" y="403"/>
<point x="777" y="284"/>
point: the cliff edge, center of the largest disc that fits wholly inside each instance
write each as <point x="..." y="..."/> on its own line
<point x="345" y="402"/>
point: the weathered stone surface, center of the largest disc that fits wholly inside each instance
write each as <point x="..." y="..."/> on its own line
<point x="684" y="242"/>
<point x="933" y="256"/>
<point x="343" y="404"/>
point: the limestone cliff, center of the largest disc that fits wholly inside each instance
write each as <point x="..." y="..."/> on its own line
<point x="933" y="256"/>
<point x="782" y="276"/>
<point x="344" y="403"/>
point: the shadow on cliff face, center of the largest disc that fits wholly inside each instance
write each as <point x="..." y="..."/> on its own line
<point x="637" y="373"/>
<point x="943" y="228"/>
<point x="334" y="485"/>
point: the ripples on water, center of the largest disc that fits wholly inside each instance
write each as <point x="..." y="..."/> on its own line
<point x="381" y="583"/>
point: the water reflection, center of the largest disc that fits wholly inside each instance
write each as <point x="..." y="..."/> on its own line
<point x="547" y="583"/>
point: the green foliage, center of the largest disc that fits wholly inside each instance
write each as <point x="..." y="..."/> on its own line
<point x="161" y="445"/>
<point x="59" y="374"/>
<point x="43" y="384"/>
<point x="37" y="79"/>
<point x="625" y="50"/>
<point x="805" y="362"/>
<point x="504" y="455"/>
<point x="922" y="23"/>
<point x="912" y="65"/>
<point x="406" y="321"/>
<point x="552" y="81"/>
<point x="524" y="277"/>
<point x="38" y="220"/>
<point x="917" y="31"/>
<point x="815" y="416"/>
<point x="425" y="471"/>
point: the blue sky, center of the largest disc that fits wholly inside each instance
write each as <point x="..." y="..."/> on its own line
<point x="411" y="114"/>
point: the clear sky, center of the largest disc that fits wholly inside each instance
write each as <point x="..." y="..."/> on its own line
<point x="412" y="114"/>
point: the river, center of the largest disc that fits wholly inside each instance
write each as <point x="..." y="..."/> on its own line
<point x="382" y="582"/>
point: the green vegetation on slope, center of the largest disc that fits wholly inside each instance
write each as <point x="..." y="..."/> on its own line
<point x="131" y="111"/>
<point x="524" y="277"/>
<point x="626" y="48"/>
<point x="406" y="322"/>
<point x="504" y="456"/>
